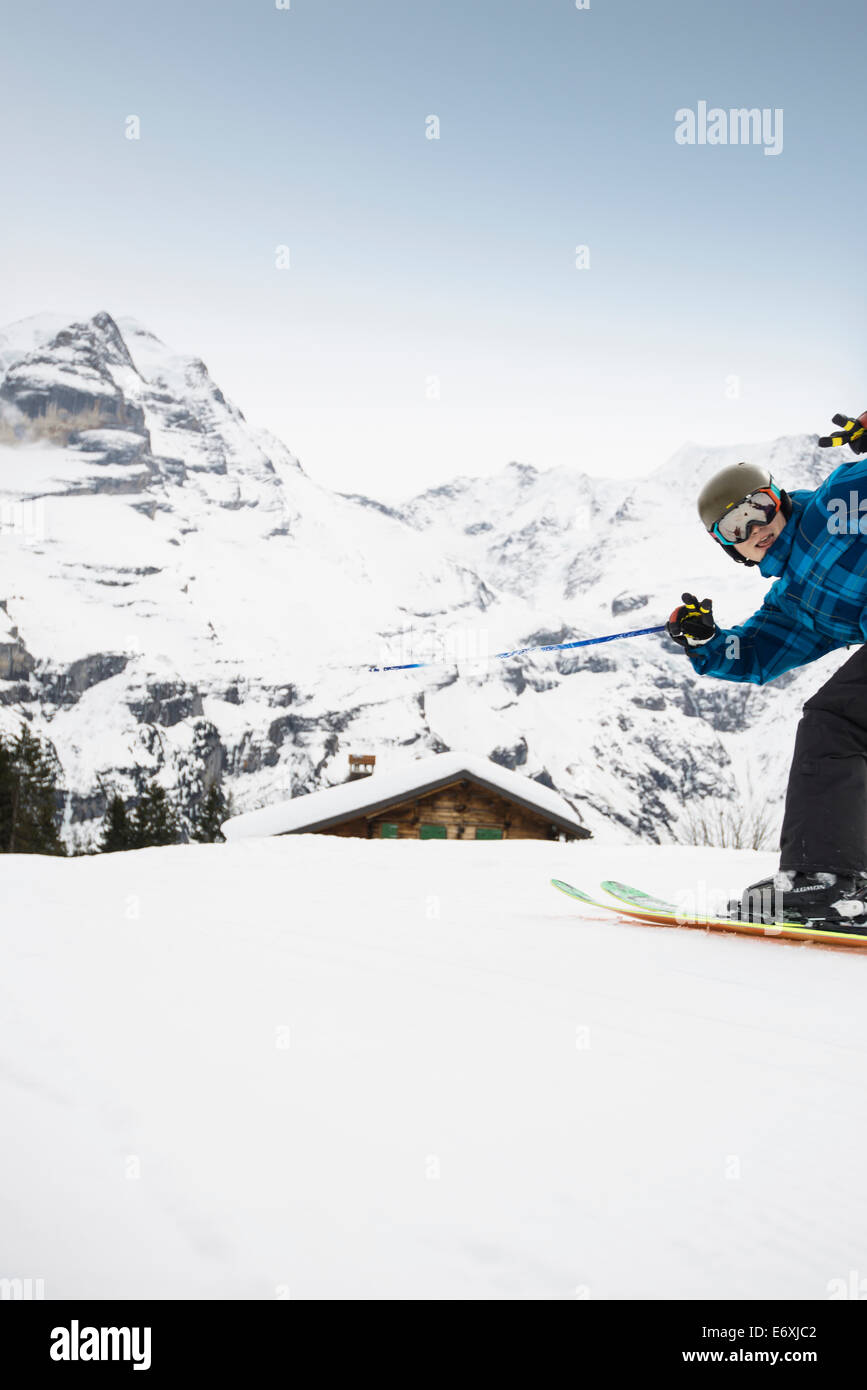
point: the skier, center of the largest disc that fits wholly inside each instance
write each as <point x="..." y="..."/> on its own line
<point x="815" y="544"/>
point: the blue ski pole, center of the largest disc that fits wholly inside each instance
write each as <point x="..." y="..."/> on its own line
<point x="522" y="651"/>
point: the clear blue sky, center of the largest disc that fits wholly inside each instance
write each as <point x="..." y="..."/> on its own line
<point x="453" y="258"/>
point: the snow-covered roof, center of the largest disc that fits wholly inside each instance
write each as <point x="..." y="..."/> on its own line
<point x="378" y="790"/>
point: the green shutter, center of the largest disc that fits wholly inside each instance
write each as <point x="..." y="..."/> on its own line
<point x="489" y="832"/>
<point x="432" y="832"/>
<point x="388" y="830"/>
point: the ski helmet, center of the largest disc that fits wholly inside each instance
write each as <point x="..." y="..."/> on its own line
<point x="728" y="486"/>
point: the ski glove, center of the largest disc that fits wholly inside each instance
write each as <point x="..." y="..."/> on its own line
<point x="692" y="625"/>
<point x="851" y="432"/>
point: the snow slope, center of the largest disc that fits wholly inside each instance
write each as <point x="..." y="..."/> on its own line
<point x="322" y="1068"/>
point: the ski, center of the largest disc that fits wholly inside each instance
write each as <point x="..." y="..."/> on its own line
<point x="795" y="931"/>
<point x="637" y="906"/>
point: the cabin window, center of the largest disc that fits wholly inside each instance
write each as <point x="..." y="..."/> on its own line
<point x="388" y="830"/>
<point x="432" y="832"/>
<point x="489" y="832"/>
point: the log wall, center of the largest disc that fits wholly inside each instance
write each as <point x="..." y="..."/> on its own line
<point x="460" y="808"/>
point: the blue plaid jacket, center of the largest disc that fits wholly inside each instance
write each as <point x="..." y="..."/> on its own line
<point x="819" y="602"/>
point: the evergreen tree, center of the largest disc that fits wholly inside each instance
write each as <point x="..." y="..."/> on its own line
<point x="8" y="795"/>
<point x="117" y="832"/>
<point x="155" y="821"/>
<point x="29" y="812"/>
<point x="210" y="816"/>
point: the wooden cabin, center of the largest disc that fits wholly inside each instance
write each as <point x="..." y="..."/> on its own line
<point x="450" y="796"/>
<point x="461" y="810"/>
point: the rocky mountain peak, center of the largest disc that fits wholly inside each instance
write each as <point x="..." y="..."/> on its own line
<point x="72" y="382"/>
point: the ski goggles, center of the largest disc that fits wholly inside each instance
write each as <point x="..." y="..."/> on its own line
<point x="756" y="509"/>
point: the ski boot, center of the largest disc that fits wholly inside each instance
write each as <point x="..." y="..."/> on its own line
<point x="837" y="902"/>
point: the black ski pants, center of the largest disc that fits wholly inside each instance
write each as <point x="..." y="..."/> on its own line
<point x="825" y="820"/>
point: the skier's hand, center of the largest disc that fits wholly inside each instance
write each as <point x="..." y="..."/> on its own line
<point x="851" y="432"/>
<point x="692" y="624"/>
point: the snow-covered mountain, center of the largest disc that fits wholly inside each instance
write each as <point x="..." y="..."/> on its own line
<point x="179" y="598"/>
